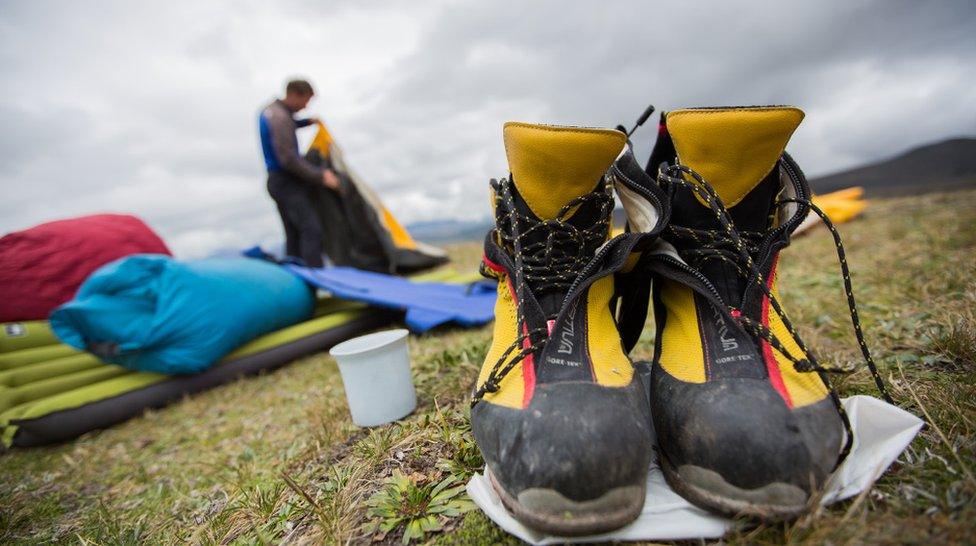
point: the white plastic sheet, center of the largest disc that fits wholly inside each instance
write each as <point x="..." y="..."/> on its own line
<point x="881" y="433"/>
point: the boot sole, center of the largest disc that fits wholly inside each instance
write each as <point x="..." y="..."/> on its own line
<point x="770" y="503"/>
<point x="551" y="512"/>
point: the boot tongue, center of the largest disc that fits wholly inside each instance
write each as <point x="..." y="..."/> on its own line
<point x="552" y="165"/>
<point x="733" y="149"/>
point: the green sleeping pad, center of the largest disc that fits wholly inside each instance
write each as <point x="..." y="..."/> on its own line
<point x="51" y="393"/>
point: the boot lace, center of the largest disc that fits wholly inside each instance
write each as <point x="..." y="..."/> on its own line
<point x="550" y="253"/>
<point x="548" y="256"/>
<point x="737" y="248"/>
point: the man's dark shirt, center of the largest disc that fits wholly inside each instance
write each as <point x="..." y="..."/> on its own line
<point x="280" y="144"/>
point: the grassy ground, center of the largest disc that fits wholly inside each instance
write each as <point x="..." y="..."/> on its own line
<point x="276" y="459"/>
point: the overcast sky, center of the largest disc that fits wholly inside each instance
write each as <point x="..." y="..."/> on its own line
<point x="151" y="108"/>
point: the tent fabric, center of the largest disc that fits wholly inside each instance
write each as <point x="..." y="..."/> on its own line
<point x="358" y="230"/>
<point x="840" y="206"/>
<point x="427" y="304"/>
<point x="153" y="313"/>
<point x="42" y="267"/>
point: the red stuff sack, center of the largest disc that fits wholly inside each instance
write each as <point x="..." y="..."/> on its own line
<point x="42" y="267"/>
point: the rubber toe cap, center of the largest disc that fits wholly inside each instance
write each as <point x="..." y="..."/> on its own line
<point x="741" y="432"/>
<point x="578" y="439"/>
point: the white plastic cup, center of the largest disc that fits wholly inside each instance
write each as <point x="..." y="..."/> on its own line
<point x="375" y="371"/>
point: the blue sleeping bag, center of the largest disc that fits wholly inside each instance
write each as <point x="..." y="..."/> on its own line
<point x="149" y="312"/>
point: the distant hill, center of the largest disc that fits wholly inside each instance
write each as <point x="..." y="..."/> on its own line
<point x="942" y="165"/>
<point x="449" y="231"/>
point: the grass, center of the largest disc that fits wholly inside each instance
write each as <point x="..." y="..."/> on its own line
<point x="276" y="459"/>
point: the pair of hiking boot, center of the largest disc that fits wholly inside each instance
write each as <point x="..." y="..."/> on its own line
<point x="745" y="419"/>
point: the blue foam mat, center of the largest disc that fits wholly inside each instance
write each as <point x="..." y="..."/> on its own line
<point x="427" y="304"/>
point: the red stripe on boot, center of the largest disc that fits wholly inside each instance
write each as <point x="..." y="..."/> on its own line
<point x="772" y="365"/>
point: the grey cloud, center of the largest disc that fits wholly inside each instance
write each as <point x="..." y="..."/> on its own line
<point x="152" y="109"/>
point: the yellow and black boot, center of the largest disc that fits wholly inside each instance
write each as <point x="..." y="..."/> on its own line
<point x="744" y="415"/>
<point x="558" y="411"/>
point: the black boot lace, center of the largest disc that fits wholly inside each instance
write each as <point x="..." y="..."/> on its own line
<point x="548" y="255"/>
<point x="737" y="248"/>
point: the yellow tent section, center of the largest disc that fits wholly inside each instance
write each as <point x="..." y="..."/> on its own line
<point x="323" y="141"/>
<point x="840" y="206"/>
<point x="399" y="233"/>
